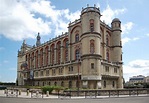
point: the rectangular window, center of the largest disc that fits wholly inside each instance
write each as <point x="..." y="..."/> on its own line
<point x="41" y="73"/>
<point x="107" y="68"/>
<point x="70" y="68"/>
<point x="92" y="66"/>
<point x="60" y="70"/>
<point x="115" y="70"/>
<point x="47" y="72"/>
<point x="36" y="74"/>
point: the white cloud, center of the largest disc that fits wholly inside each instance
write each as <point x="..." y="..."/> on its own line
<point x="19" y="19"/>
<point x="126" y="40"/>
<point x="136" y="38"/>
<point x="139" y="63"/>
<point x="136" y="67"/>
<point x="127" y="27"/>
<point x="108" y="14"/>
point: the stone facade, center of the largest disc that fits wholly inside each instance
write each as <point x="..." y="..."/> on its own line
<point x="89" y="55"/>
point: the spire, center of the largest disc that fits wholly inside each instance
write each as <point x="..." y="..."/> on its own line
<point x="38" y="39"/>
<point x="24" y="41"/>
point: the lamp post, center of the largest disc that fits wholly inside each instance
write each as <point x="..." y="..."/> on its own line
<point x="78" y="79"/>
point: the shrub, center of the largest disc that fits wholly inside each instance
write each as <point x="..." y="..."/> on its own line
<point x="57" y="88"/>
<point x="47" y="88"/>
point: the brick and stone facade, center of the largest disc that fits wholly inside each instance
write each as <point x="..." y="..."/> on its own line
<point x="89" y="55"/>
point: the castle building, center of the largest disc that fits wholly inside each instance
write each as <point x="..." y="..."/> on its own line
<point x="89" y="56"/>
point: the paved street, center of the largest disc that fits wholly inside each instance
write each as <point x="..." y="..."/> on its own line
<point x="49" y="100"/>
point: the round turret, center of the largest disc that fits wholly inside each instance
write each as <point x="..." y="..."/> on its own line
<point x="116" y="40"/>
<point x="116" y="24"/>
<point x="115" y="20"/>
<point x="90" y="43"/>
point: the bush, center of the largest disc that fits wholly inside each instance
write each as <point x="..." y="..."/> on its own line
<point x="47" y="88"/>
<point x="58" y="88"/>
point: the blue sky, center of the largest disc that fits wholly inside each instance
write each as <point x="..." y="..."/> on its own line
<point x="23" y="19"/>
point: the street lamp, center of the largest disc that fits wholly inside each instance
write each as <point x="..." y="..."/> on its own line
<point x="78" y="79"/>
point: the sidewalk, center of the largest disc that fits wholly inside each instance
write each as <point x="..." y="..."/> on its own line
<point x="24" y="95"/>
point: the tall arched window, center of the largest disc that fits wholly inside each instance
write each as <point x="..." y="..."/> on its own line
<point x="77" y="38"/>
<point x="107" y="40"/>
<point x="29" y="61"/>
<point x="92" y="47"/>
<point x="91" y="25"/>
<point x="46" y="55"/>
<point x="66" y="49"/>
<point x="77" y="54"/>
<point x="41" y="57"/>
<point x="36" y="59"/>
<point x="66" y="55"/>
<point x="52" y="54"/>
<point x="32" y="60"/>
<point x="58" y="52"/>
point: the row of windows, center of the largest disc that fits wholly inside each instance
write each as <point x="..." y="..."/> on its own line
<point x="47" y="72"/>
<point x="107" y="69"/>
<point x="55" y="83"/>
<point x="41" y="59"/>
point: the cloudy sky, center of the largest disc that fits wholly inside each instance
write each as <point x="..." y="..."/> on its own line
<point x="23" y="19"/>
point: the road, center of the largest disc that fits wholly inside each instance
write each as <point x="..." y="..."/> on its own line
<point x="104" y="100"/>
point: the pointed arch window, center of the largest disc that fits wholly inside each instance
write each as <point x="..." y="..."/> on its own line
<point x="107" y="40"/>
<point x="58" y="52"/>
<point x="41" y="57"/>
<point x="29" y="61"/>
<point x="46" y="55"/>
<point x="66" y="55"/>
<point x="65" y="49"/>
<point x="36" y="59"/>
<point x="92" y="47"/>
<point x="32" y="60"/>
<point x="77" y="38"/>
<point x="66" y="44"/>
<point x="91" y="25"/>
<point x="52" y="54"/>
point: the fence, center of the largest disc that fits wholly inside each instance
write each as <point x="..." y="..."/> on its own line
<point x="109" y="93"/>
<point x="75" y="93"/>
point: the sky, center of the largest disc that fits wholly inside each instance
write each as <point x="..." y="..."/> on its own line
<point x="23" y="19"/>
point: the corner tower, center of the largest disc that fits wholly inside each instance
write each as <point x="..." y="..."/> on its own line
<point x="91" y="40"/>
<point x="117" y="48"/>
